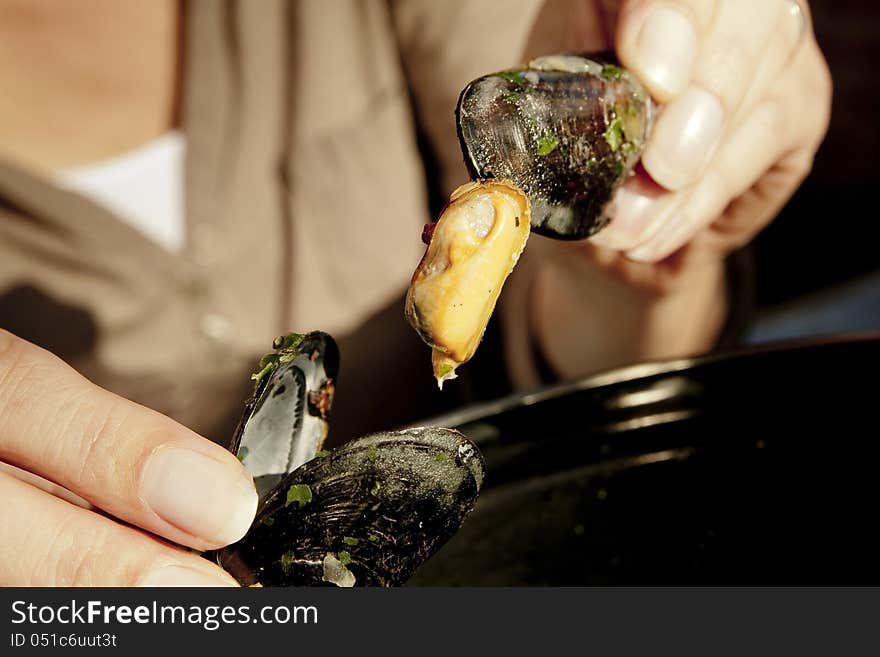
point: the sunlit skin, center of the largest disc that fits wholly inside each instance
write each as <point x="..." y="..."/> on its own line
<point x="82" y="81"/>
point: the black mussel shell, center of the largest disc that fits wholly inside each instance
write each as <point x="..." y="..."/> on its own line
<point x="567" y="130"/>
<point x="368" y="514"/>
<point x="285" y="422"/>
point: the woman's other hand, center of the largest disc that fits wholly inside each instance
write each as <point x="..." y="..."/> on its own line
<point x="85" y="471"/>
<point x="744" y="95"/>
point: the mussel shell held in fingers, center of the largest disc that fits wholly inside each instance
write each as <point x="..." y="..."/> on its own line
<point x="567" y="130"/>
<point x="286" y="421"/>
<point x="367" y="514"/>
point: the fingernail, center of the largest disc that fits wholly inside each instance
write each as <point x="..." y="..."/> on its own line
<point x="635" y="216"/>
<point x="666" y="48"/>
<point x="685" y="138"/>
<point x="183" y="576"/>
<point x="201" y="495"/>
<point x="637" y="210"/>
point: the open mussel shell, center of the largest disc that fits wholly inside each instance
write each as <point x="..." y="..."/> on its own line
<point x="367" y="514"/>
<point x="286" y="421"/>
<point x="567" y="130"/>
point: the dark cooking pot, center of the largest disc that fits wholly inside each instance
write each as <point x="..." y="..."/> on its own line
<point x="756" y="467"/>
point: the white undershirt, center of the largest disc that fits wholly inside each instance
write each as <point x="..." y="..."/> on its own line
<point x="143" y="187"/>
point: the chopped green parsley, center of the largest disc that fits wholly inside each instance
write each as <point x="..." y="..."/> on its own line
<point x="612" y="72"/>
<point x="287" y="560"/>
<point x="512" y="76"/>
<point x="547" y="143"/>
<point x="299" y="493"/>
<point x="289" y="341"/>
<point x="614" y="134"/>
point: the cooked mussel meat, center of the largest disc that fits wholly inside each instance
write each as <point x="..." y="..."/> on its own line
<point x="473" y="247"/>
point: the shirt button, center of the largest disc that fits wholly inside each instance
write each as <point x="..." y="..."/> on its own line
<point x="216" y="328"/>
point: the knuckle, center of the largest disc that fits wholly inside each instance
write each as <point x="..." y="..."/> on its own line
<point x="726" y="73"/>
<point x="93" y="554"/>
<point x="823" y="92"/>
<point x="68" y="553"/>
<point x="17" y="379"/>
<point x="7" y="341"/>
<point x="810" y="98"/>
<point x="11" y="353"/>
<point x="97" y="448"/>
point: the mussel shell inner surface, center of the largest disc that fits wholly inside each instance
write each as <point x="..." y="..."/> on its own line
<point x="285" y="424"/>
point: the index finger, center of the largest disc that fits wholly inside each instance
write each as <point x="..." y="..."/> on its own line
<point x="130" y="461"/>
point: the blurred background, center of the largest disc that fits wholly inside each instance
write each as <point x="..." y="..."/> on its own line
<point x="818" y="267"/>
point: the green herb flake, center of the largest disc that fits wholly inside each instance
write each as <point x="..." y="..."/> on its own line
<point x="372" y="453"/>
<point x="547" y="143"/>
<point x="267" y="369"/>
<point x="344" y="557"/>
<point x="444" y="370"/>
<point x="348" y="540"/>
<point x="441" y="457"/>
<point x="612" y="72"/>
<point x="289" y="341"/>
<point x="511" y="98"/>
<point x="322" y="454"/>
<point x="375" y="506"/>
<point x="373" y="538"/>
<point x="512" y="76"/>
<point x="374" y="491"/>
<point x="614" y="134"/>
<point x="299" y="493"/>
<point x="287" y="560"/>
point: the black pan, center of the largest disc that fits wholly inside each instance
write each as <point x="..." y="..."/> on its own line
<point x="755" y="467"/>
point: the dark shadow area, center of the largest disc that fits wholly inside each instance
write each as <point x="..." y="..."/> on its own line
<point x="66" y="330"/>
<point x="385" y="377"/>
<point x="828" y="232"/>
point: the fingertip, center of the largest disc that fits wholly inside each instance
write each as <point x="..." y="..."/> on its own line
<point x="179" y="575"/>
<point x="637" y="212"/>
<point x="659" y="45"/>
<point x="684" y="139"/>
<point x="210" y="499"/>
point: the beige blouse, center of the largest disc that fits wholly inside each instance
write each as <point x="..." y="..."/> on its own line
<point x="305" y="196"/>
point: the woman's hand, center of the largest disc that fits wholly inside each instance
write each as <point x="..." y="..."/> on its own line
<point x="107" y="457"/>
<point x="744" y="96"/>
<point x="746" y="100"/>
